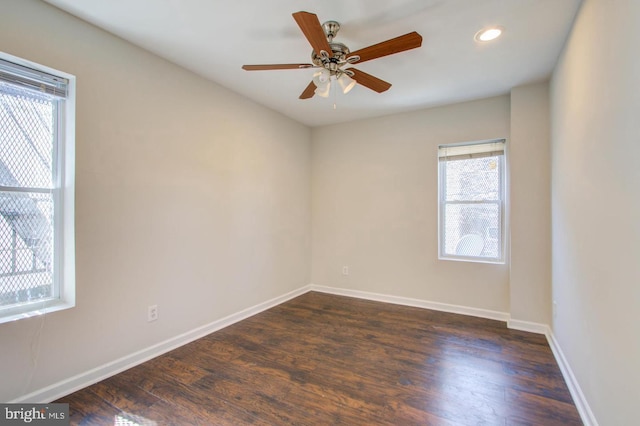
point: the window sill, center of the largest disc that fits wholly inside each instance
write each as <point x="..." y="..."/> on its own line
<point x="473" y="260"/>
<point x="33" y="310"/>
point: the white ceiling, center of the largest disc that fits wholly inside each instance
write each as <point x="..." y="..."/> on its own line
<point x="214" y="38"/>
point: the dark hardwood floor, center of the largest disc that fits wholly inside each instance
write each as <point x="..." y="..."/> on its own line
<point x="326" y="360"/>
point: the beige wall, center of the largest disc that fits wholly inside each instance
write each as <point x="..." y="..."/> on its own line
<point x="596" y="206"/>
<point x="375" y="206"/>
<point x="187" y="196"/>
<point x="530" y="204"/>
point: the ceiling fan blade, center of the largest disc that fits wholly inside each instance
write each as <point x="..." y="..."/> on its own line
<point x="267" y="67"/>
<point x="309" y="91"/>
<point x="389" y="47"/>
<point x="312" y="30"/>
<point x="367" y="80"/>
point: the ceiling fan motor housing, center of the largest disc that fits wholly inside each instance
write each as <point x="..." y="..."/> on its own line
<point x="340" y="52"/>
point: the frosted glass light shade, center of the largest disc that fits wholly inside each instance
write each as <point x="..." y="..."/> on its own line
<point x="320" y="78"/>
<point x="346" y="83"/>
<point x="323" y="90"/>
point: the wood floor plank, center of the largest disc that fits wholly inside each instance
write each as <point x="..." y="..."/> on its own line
<point x="324" y="359"/>
<point x="538" y="410"/>
<point x="120" y="393"/>
<point x="87" y="408"/>
<point x="202" y="404"/>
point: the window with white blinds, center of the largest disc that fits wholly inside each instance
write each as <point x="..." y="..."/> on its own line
<point x="472" y="201"/>
<point x="36" y="189"/>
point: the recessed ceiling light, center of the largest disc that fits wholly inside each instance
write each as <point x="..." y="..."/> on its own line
<point x="489" y="34"/>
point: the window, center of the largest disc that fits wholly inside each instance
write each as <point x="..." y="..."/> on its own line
<point x="36" y="189"/>
<point x="471" y="201"/>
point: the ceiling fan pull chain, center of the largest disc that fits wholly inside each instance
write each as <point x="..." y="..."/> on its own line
<point x="334" y="97"/>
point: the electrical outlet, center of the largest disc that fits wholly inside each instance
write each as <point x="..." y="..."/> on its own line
<point x="345" y="270"/>
<point x="152" y="313"/>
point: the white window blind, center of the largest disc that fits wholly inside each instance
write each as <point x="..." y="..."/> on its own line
<point x="20" y="76"/>
<point x="466" y="151"/>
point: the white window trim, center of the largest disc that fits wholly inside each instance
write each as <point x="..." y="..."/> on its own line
<point x="64" y="204"/>
<point x="503" y="207"/>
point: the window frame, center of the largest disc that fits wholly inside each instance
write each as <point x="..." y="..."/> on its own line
<point x="502" y="203"/>
<point x="63" y="196"/>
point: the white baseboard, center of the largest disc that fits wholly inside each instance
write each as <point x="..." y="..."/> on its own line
<point x="87" y="378"/>
<point x="572" y="383"/>
<point x="418" y="303"/>
<point x="531" y="327"/>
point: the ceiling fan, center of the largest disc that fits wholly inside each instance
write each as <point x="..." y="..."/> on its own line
<point x="330" y="57"/>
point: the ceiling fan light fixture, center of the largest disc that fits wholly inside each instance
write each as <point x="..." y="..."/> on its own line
<point x="488" y="34"/>
<point x="323" y="90"/>
<point x="346" y="83"/>
<point x="321" y="78"/>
